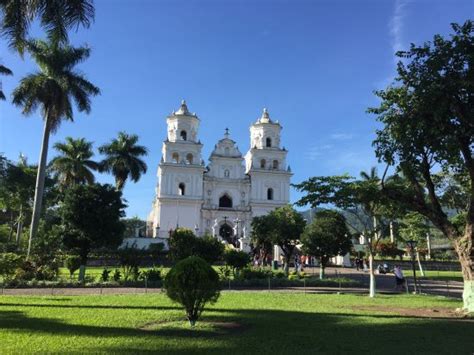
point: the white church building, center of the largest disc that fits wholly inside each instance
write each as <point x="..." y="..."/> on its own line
<point x="219" y="198"/>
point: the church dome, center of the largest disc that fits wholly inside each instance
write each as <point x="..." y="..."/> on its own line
<point x="226" y="147"/>
<point x="183" y="110"/>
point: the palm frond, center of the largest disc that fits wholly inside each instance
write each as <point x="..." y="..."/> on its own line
<point x="5" y="71"/>
<point x="55" y="16"/>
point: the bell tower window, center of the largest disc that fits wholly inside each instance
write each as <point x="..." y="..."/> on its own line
<point x="175" y="157"/>
<point x="189" y="158"/>
<point x="268" y="142"/>
<point x="270" y="194"/>
<point x="263" y="163"/>
<point x="225" y="201"/>
<point x="181" y="189"/>
<point x="184" y="135"/>
<point x="275" y="164"/>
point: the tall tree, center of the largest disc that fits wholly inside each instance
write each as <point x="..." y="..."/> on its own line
<point x="90" y="217"/>
<point x="4" y="71"/>
<point x="17" y="190"/>
<point x="123" y="159"/>
<point x="52" y="89"/>
<point x="327" y="236"/>
<point x="56" y="17"/>
<point x="74" y="165"/>
<point x="261" y="237"/>
<point x="284" y="226"/>
<point x="361" y="198"/>
<point x="427" y="119"/>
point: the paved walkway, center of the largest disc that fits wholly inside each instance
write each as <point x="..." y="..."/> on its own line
<point x="384" y="284"/>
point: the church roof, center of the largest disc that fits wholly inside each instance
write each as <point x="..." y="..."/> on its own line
<point x="226" y="147"/>
<point x="265" y="118"/>
<point x="183" y="110"/>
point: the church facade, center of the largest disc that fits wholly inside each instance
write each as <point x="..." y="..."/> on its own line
<point x="222" y="197"/>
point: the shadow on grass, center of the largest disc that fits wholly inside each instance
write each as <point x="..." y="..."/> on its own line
<point x="86" y="306"/>
<point x="265" y="331"/>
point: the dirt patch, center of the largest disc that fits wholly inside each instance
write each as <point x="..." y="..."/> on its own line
<point x="434" y="313"/>
<point x="217" y="328"/>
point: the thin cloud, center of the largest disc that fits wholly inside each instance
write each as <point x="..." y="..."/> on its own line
<point x="396" y="29"/>
<point x="315" y="152"/>
<point x="341" y="136"/>
<point x="396" y="26"/>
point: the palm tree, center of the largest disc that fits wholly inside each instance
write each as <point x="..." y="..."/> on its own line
<point x="370" y="176"/>
<point x="56" y="17"/>
<point x="4" y="71"/>
<point x="74" y="164"/>
<point x="52" y="89"/>
<point x="123" y="159"/>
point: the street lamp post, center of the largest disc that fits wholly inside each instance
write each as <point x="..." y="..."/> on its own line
<point x="412" y="245"/>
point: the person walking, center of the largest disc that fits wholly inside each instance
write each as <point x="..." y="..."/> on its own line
<point x="399" y="278"/>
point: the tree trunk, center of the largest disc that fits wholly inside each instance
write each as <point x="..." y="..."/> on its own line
<point x="19" y="229"/>
<point x="287" y="265"/>
<point x="12" y="226"/>
<point x="372" y="275"/>
<point x="464" y="249"/>
<point x="39" y="188"/>
<point x="321" y="269"/>
<point x="422" y="273"/>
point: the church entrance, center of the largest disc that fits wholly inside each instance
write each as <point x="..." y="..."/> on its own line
<point x="227" y="233"/>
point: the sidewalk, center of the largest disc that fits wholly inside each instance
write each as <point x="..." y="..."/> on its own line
<point x="384" y="285"/>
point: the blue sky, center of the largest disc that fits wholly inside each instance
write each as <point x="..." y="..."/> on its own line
<point x="313" y="64"/>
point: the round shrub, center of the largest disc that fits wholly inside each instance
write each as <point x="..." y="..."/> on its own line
<point x="152" y="275"/>
<point x="72" y="263"/>
<point x="236" y="259"/>
<point x="9" y="262"/>
<point x="192" y="283"/>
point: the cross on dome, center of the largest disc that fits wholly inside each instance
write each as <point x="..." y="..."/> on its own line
<point x="183" y="109"/>
<point x="226" y="134"/>
<point x="265" y="118"/>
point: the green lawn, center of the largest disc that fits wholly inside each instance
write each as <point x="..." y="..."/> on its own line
<point x="265" y="323"/>
<point x="438" y="275"/>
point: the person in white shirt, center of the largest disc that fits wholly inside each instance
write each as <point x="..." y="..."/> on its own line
<point x="399" y="278"/>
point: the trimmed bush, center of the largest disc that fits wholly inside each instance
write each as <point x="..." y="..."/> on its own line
<point x="236" y="259"/>
<point x="105" y="275"/>
<point x="183" y="243"/>
<point x="254" y="274"/>
<point x="9" y="262"/>
<point x="117" y="275"/>
<point x="192" y="283"/>
<point x="152" y="275"/>
<point x="72" y="263"/>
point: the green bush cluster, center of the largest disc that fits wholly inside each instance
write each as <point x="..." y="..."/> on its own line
<point x="14" y="269"/>
<point x="184" y="243"/>
<point x="193" y="283"/>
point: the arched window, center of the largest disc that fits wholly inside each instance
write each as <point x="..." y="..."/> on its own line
<point x="226" y="151"/>
<point x="175" y="157"/>
<point x="269" y="142"/>
<point x="225" y="201"/>
<point x="275" y="164"/>
<point x="181" y="189"/>
<point x="226" y="173"/>
<point x="270" y="194"/>
<point x="183" y="135"/>
<point x="263" y="163"/>
<point x="189" y="158"/>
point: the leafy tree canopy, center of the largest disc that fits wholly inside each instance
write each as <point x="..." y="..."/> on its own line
<point x="91" y="218"/>
<point x="327" y="236"/>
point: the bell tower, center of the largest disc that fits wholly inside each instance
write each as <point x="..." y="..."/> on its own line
<point x="179" y="193"/>
<point x="266" y="164"/>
